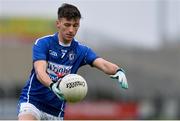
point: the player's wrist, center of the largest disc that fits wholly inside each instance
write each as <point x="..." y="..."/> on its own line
<point x="51" y="85"/>
<point x="120" y="69"/>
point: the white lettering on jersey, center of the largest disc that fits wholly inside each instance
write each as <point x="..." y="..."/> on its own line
<point x="57" y="71"/>
<point x="53" y="53"/>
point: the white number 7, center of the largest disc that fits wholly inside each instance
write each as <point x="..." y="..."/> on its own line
<point x="63" y="53"/>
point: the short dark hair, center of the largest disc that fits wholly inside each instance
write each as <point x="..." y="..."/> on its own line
<point x="68" y="11"/>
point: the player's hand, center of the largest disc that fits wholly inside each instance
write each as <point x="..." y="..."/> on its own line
<point x="120" y="75"/>
<point x="54" y="87"/>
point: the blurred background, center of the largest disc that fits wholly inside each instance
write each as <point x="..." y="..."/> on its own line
<point x="142" y="36"/>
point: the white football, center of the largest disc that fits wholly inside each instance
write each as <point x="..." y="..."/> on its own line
<point x="74" y="87"/>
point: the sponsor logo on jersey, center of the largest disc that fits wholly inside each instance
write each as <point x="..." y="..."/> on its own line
<point x="57" y="71"/>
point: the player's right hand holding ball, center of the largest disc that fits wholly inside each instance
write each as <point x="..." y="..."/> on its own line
<point x="54" y="87"/>
<point x="120" y="75"/>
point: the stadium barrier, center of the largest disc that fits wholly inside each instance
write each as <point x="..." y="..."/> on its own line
<point x="101" y="110"/>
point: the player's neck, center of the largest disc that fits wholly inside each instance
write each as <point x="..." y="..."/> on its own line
<point x="63" y="43"/>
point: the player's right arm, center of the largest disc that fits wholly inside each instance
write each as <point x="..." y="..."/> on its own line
<point x="41" y="74"/>
<point x="40" y="69"/>
<point x="40" y="49"/>
<point x="40" y="53"/>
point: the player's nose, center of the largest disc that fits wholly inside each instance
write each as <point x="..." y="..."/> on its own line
<point x="71" y="29"/>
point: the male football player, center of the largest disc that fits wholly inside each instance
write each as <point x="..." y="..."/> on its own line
<point x="55" y="56"/>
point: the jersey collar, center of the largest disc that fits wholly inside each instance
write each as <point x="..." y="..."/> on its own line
<point x="72" y="44"/>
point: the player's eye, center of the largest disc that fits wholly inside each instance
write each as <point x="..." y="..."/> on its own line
<point x="76" y="25"/>
<point x="67" y="25"/>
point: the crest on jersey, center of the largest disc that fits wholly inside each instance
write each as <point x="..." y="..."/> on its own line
<point x="71" y="56"/>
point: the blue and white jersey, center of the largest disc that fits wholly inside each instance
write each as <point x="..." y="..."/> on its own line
<point x="61" y="60"/>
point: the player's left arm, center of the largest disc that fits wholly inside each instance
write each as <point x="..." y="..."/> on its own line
<point x="105" y="66"/>
<point x="111" y="69"/>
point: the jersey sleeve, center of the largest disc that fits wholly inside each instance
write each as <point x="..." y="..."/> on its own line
<point x="90" y="56"/>
<point x="39" y="50"/>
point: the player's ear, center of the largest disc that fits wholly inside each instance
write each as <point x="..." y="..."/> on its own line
<point x="58" y="23"/>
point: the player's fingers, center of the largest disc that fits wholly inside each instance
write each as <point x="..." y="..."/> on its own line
<point x="114" y="76"/>
<point x="125" y="84"/>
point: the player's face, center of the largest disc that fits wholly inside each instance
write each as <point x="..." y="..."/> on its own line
<point x="67" y="29"/>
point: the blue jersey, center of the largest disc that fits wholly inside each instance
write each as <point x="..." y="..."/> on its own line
<point x="61" y="60"/>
